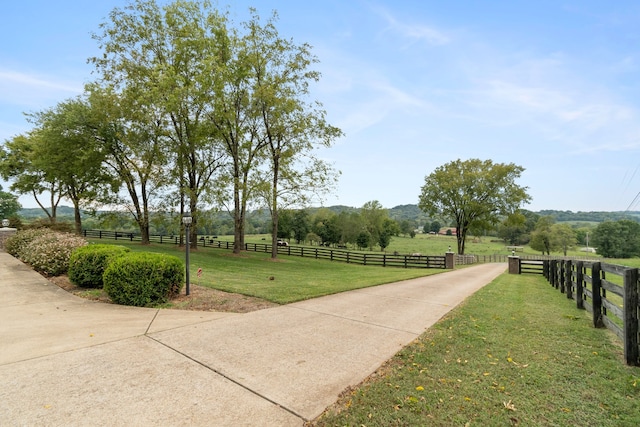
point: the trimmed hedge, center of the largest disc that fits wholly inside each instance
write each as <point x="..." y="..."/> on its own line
<point x="143" y="279"/>
<point x="87" y="264"/>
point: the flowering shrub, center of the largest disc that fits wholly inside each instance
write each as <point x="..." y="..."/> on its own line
<point x="16" y="244"/>
<point x="87" y="263"/>
<point x="47" y="251"/>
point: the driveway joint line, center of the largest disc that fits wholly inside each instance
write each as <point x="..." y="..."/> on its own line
<point x="228" y="378"/>
<point x="152" y="320"/>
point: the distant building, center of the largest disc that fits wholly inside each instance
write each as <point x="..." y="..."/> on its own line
<point x="447" y="231"/>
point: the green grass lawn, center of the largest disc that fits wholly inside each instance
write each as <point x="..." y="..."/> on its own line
<point x="285" y="280"/>
<point x="515" y="353"/>
<point x="428" y="244"/>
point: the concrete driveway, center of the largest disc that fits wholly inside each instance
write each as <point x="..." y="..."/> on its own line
<point x="68" y="361"/>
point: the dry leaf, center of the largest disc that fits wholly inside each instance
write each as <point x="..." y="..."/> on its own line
<point x="510" y="406"/>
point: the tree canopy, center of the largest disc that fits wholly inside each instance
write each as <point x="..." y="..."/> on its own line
<point x="475" y="193"/>
<point x="9" y="205"/>
<point x="188" y="110"/>
<point x="617" y="239"/>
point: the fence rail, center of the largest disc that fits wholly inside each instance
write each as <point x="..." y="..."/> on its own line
<point x="320" y="252"/>
<point x="594" y="287"/>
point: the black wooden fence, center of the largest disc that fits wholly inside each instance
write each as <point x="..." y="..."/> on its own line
<point x="613" y="300"/>
<point x="319" y="252"/>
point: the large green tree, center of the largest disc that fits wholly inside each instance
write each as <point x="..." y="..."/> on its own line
<point x="164" y="64"/>
<point x="301" y="225"/>
<point x="617" y="239"/>
<point x="565" y="236"/>
<point x="373" y="218"/>
<point x="66" y="149"/>
<point x="474" y="192"/>
<point x="543" y="238"/>
<point x="135" y="152"/>
<point x="291" y="127"/>
<point x="18" y="164"/>
<point x="9" y="204"/>
<point x="513" y="228"/>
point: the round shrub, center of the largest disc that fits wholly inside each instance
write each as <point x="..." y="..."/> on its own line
<point x="87" y="264"/>
<point x="49" y="253"/>
<point x="143" y="279"/>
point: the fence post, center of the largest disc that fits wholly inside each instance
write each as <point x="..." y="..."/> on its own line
<point x="545" y="269"/>
<point x="630" y="329"/>
<point x="554" y="270"/>
<point x="568" y="282"/>
<point x="561" y="276"/>
<point x="514" y="265"/>
<point x="579" y="285"/>
<point x="449" y="260"/>
<point x="596" y="291"/>
<point x="558" y="274"/>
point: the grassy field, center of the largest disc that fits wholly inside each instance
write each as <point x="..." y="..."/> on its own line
<point x="427" y="244"/>
<point x="515" y="353"/>
<point x="286" y="280"/>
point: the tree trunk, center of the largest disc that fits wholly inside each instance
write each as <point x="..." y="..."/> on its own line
<point x="461" y="233"/>
<point x="77" y="217"/>
<point x="274" y="210"/>
<point x="193" y="230"/>
<point x="237" y="221"/>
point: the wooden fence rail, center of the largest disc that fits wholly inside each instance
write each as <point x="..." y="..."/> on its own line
<point x="608" y="291"/>
<point x="320" y="252"/>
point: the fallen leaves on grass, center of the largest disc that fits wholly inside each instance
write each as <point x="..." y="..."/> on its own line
<point x="508" y="405"/>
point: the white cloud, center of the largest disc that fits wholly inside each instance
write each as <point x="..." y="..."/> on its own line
<point x="34" y="91"/>
<point x="413" y="32"/>
<point x="28" y="80"/>
<point x="550" y="96"/>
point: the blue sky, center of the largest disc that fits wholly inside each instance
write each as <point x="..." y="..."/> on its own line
<point x="552" y="86"/>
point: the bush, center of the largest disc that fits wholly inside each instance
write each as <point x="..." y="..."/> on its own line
<point x="16" y="244"/>
<point x="49" y="251"/>
<point x="87" y="264"/>
<point x="143" y="279"/>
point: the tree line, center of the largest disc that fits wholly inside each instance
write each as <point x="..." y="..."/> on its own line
<point x="188" y="111"/>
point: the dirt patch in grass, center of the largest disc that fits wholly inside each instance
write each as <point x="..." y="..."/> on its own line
<point x="201" y="298"/>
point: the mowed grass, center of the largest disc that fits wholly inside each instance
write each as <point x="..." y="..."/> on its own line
<point x="428" y="244"/>
<point x="515" y="353"/>
<point x="285" y="280"/>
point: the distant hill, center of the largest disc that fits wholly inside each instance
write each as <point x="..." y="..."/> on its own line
<point x="569" y="216"/>
<point x="34" y="213"/>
